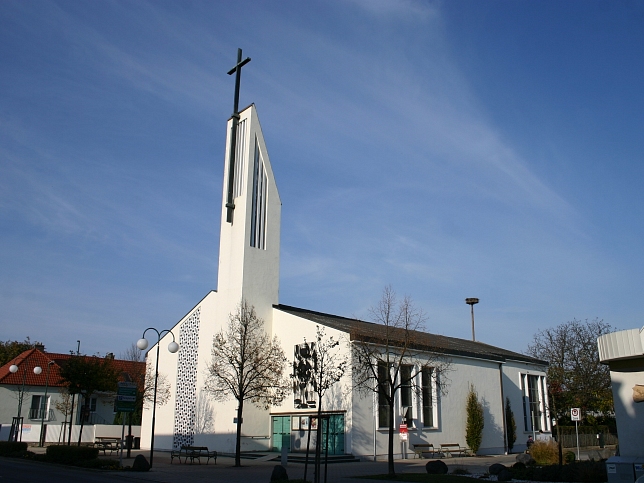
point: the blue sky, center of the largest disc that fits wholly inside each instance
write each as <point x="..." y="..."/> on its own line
<point x="451" y="149"/>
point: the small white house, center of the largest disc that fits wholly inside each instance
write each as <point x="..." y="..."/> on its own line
<point x="249" y="270"/>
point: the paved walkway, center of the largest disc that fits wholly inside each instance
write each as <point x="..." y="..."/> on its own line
<point x="260" y="471"/>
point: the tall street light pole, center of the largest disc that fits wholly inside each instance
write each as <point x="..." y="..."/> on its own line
<point x="44" y="410"/>
<point x="471" y="302"/>
<point x="173" y="347"/>
<point x="13" y="436"/>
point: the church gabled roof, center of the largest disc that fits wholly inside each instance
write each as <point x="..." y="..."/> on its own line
<point x="376" y="333"/>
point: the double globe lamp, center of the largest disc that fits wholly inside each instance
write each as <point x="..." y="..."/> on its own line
<point x="173" y="347"/>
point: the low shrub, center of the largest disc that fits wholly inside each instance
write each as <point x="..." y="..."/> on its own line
<point x="545" y="452"/>
<point x="569" y="457"/>
<point x="70" y="455"/>
<point x="12" y="447"/>
<point x="581" y="471"/>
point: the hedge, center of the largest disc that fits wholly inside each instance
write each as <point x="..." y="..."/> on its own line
<point x="70" y="455"/>
<point x="9" y="447"/>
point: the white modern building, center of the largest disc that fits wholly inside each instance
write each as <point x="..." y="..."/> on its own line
<point x="623" y="351"/>
<point x="249" y="264"/>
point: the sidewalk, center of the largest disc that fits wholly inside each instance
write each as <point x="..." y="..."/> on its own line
<point x="260" y="470"/>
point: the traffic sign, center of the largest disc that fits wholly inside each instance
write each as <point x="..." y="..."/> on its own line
<point x="126" y="397"/>
<point x="403" y="433"/>
<point x="575" y="414"/>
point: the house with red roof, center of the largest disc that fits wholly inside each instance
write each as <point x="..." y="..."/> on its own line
<point x="31" y="388"/>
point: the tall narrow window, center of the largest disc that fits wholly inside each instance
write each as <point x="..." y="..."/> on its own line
<point x="240" y="159"/>
<point x="405" y="392"/>
<point x="533" y="398"/>
<point x="260" y="195"/>
<point x="428" y="403"/>
<point x="383" y="393"/>
<point x="535" y="415"/>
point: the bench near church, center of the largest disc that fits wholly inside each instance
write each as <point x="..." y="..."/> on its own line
<point x="194" y="453"/>
<point x="446" y="449"/>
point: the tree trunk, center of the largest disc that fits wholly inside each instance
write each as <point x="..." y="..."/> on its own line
<point x="240" y="409"/>
<point x="390" y="456"/>
<point x="318" y="445"/>
<point x="83" y="412"/>
<point x="71" y="421"/>
<point x="130" y="439"/>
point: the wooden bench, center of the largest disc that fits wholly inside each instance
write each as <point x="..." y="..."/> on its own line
<point x="107" y="444"/>
<point x="194" y="453"/>
<point x="421" y="448"/>
<point x="453" y="448"/>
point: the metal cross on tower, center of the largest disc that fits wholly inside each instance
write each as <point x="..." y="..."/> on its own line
<point x="230" y="204"/>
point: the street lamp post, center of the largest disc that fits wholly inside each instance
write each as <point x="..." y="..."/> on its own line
<point x="173" y="347"/>
<point x="471" y="302"/>
<point x="13" y="436"/>
<point x="42" y="419"/>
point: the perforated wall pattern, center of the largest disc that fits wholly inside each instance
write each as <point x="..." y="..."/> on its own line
<point x="185" y="403"/>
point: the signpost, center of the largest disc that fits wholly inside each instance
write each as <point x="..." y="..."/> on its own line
<point x="125" y="403"/>
<point x="575" y="415"/>
<point x="404" y="437"/>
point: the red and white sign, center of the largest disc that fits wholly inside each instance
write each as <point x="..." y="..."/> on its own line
<point x="575" y="414"/>
<point x="403" y="432"/>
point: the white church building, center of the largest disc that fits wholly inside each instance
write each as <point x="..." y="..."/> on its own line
<point x="249" y="267"/>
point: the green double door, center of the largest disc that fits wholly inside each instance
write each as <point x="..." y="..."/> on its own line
<point x="281" y="433"/>
<point x="336" y="434"/>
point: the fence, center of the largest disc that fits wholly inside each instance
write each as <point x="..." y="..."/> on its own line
<point x="585" y="440"/>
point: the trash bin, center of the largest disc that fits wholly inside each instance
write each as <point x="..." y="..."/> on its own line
<point x="137" y="442"/>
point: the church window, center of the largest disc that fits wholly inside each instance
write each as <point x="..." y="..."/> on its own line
<point x="240" y="159"/>
<point x="406" y="392"/>
<point x="260" y="195"/>
<point x="384" y="390"/>
<point x="534" y="414"/>
<point x="428" y="400"/>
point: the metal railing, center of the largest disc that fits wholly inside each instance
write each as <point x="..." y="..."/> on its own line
<point x="37" y="414"/>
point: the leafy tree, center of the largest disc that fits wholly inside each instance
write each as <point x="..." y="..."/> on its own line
<point x="13" y="348"/>
<point x="576" y="378"/>
<point x="328" y="367"/>
<point x="475" y="420"/>
<point x="86" y="376"/>
<point x="247" y="365"/>
<point x="378" y="358"/>
<point x="510" y="425"/>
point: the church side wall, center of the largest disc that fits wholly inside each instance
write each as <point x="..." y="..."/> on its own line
<point x="513" y="372"/>
<point x="292" y="331"/>
<point x="450" y="426"/>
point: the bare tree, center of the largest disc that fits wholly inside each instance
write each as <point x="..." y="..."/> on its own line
<point x="322" y="364"/>
<point x="397" y="356"/>
<point x="247" y="365"/>
<point x="64" y="405"/>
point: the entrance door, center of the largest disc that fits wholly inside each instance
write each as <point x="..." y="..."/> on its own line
<point x="336" y="433"/>
<point x="281" y="433"/>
